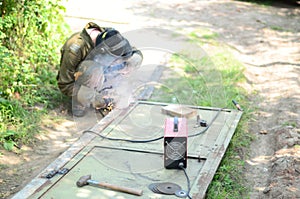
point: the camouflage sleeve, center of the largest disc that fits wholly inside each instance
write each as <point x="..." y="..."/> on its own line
<point x="71" y="58"/>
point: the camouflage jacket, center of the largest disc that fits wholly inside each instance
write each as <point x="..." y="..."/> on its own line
<point x="73" y="52"/>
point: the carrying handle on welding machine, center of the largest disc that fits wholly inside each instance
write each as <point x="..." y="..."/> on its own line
<point x="175" y="124"/>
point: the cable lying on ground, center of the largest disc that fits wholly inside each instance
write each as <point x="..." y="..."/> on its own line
<point x="161" y="137"/>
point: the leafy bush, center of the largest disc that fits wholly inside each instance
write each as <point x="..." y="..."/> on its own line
<point x="31" y="33"/>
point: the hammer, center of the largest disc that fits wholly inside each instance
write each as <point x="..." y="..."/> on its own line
<point x="86" y="180"/>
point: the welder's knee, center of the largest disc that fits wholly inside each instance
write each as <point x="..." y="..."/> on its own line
<point x="92" y="75"/>
<point x="85" y="95"/>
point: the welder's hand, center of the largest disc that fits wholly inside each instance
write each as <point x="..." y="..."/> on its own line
<point x="103" y="103"/>
<point x="77" y="75"/>
<point x="109" y="104"/>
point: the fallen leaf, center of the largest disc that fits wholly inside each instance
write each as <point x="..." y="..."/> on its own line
<point x="263" y="132"/>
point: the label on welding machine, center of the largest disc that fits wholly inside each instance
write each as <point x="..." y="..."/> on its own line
<point x="175" y="143"/>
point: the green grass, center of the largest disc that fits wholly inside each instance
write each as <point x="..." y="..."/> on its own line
<point x="21" y="119"/>
<point x="277" y="28"/>
<point x="229" y="181"/>
<point x="293" y="124"/>
<point x="260" y="2"/>
<point x="212" y="81"/>
<point x="28" y="63"/>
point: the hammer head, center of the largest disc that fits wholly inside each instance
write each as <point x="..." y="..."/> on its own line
<point x="83" y="180"/>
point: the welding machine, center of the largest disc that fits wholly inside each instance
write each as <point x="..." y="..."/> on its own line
<point x="175" y="143"/>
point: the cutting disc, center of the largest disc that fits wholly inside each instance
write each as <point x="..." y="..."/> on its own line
<point x="153" y="187"/>
<point x="168" y="188"/>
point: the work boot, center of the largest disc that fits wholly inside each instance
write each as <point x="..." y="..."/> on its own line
<point x="78" y="110"/>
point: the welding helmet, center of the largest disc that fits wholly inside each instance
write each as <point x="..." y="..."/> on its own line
<point x="114" y="43"/>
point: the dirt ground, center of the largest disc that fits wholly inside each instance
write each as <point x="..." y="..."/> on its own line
<point x="266" y="39"/>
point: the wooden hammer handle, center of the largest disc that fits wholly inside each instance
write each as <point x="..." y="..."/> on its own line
<point x="137" y="192"/>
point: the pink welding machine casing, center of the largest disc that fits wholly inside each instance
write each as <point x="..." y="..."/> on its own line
<point x="175" y="143"/>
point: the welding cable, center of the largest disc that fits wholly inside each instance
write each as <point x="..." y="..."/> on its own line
<point x="187" y="179"/>
<point x="125" y="140"/>
<point x="154" y="139"/>
<point x="215" y="117"/>
<point x="209" y="125"/>
<point x="158" y="138"/>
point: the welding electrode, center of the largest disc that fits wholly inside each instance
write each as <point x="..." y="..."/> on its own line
<point x="237" y="105"/>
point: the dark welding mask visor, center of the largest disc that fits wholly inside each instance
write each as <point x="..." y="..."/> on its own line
<point x="114" y="43"/>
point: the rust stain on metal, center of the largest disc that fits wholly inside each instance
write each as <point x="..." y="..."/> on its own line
<point x="48" y="182"/>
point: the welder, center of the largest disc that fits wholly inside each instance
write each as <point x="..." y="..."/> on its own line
<point x="87" y="59"/>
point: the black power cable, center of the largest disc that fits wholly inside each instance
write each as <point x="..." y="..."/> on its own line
<point x="161" y="137"/>
<point x="187" y="179"/>
<point x="209" y="125"/>
<point x="125" y="140"/>
<point x="158" y="138"/>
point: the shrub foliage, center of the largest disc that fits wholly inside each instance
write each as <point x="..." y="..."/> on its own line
<point x="31" y="33"/>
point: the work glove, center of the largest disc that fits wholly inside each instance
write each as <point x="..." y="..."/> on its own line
<point x="109" y="104"/>
<point x="101" y="102"/>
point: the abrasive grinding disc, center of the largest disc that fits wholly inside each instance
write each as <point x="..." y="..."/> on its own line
<point x="153" y="187"/>
<point x="168" y="188"/>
